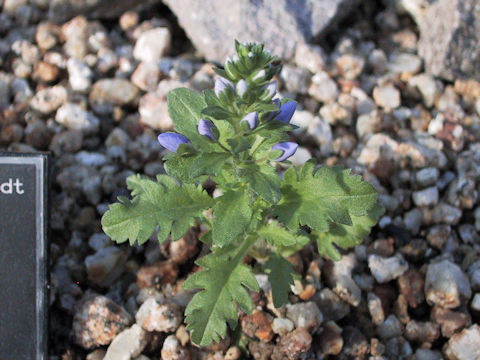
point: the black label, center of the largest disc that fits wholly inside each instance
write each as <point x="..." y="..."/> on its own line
<point x="23" y="282"/>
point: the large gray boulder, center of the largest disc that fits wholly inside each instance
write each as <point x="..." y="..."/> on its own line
<point x="212" y="25"/>
<point x="63" y="10"/>
<point x="449" y="35"/>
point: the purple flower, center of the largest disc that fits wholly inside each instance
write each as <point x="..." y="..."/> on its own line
<point x="222" y="84"/>
<point x="172" y="141"/>
<point x="271" y="88"/>
<point x="286" y="112"/>
<point x="288" y="149"/>
<point x="208" y="129"/>
<point x="251" y="119"/>
<point x="242" y="87"/>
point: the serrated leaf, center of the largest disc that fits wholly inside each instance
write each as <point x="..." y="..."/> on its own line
<point x="280" y="277"/>
<point x="346" y="236"/>
<point x="180" y="166"/>
<point x="185" y="109"/>
<point x="232" y="215"/>
<point x="315" y="198"/>
<point x="160" y="204"/>
<point x="263" y="180"/>
<point x="133" y="220"/>
<point x="224" y="281"/>
<point x="208" y="164"/>
<point x="277" y="235"/>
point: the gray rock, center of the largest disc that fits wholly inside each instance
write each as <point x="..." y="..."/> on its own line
<point x="400" y="63"/>
<point x="173" y="350"/>
<point x="426" y="197"/>
<point x="128" y="344"/>
<point x="333" y="307"/>
<point x="475" y="304"/>
<point x="305" y="315"/>
<point x="387" y="269"/>
<point x="390" y="328"/>
<point x="153" y="111"/>
<point x="79" y="75"/>
<point x="426" y="354"/>
<point x="107" y="93"/>
<point x="74" y="117"/>
<point x="375" y="308"/>
<point x="155" y="316"/>
<point x="105" y="266"/>
<point x="444" y="213"/>
<point x="323" y="88"/>
<point x="61" y="10"/>
<point x="427" y="176"/>
<point x="474" y="275"/>
<point x="98" y="320"/>
<point x="339" y="279"/>
<point x="212" y="25"/>
<point x="152" y="45"/>
<point x="49" y="99"/>
<point x="296" y="80"/>
<point x="282" y="326"/>
<point x="446" y="285"/>
<point x="310" y="57"/>
<point x="427" y="86"/>
<point x="413" y="220"/>
<point x="387" y="96"/>
<point x="450" y="48"/>
<point x="464" y="345"/>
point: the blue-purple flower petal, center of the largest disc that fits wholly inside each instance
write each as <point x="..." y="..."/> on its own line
<point x="172" y="141"/>
<point x="221" y="84"/>
<point x="286" y="112"/>
<point x="206" y="128"/>
<point x="251" y="119"/>
<point x="288" y="148"/>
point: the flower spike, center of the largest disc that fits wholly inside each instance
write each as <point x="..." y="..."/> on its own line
<point x="288" y="148"/>
<point x="208" y="129"/>
<point x="286" y="112"/>
<point x="172" y="141"/>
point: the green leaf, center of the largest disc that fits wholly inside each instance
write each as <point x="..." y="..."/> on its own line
<point x="179" y="166"/>
<point x="223" y="281"/>
<point x="185" y="109"/>
<point x="133" y="220"/>
<point x="217" y="113"/>
<point x="263" y="180"/>
<point x="232" y="215"/>
<point x="280" y="277"/>
<point x="277" y="235"/>
<point x="160" y="204"/>
<point x="208" y="164"/>
<point x="316" y="198"/>
<point x="346" y="236"/>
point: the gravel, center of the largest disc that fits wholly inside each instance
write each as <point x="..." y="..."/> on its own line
<point x="371" y="98"/>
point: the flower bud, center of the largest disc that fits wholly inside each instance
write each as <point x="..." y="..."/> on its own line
<point x="222" y="84"/>
<point x="251" y="119"/>
<point x="286" y="112"/>
<point x="242" y="87"/>
<point x="271" y="89"/>
<point x="288" y="148"/>
<point x="172" y="141"/>
<point x="208" y="129"/>
<point x="260" y="75"/>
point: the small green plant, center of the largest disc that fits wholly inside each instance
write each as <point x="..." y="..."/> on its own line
<point x="236" y="136"/>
